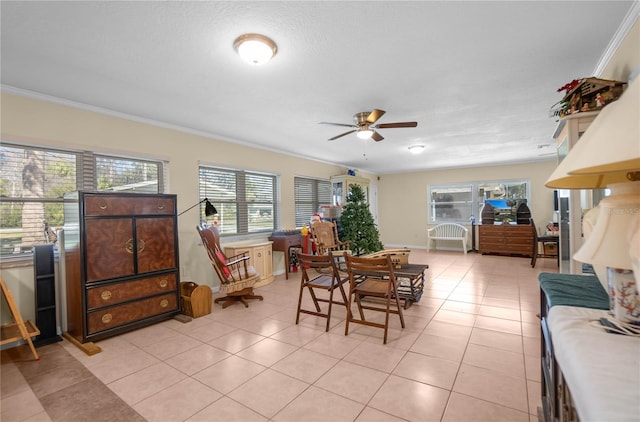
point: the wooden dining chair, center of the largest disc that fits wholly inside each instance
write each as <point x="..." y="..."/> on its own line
<point x="540" y="242"/>
<point x="320" y="272"/>
<point x="372" y="277"/>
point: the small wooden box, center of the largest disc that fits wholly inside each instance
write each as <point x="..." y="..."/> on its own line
<point x="550" y="248"/>
<point x="195" y="300"/>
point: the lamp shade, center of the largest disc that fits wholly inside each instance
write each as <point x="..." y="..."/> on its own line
<point x="608" y="150"/>
<point x="608" y="244"/>
<point x="209" y="209"/>
<point x="364" y="133"/>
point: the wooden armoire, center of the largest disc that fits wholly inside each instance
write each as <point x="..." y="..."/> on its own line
<point x="121" y="262"/>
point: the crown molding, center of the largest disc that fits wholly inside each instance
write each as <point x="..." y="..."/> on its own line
<point x="626" y="25"/>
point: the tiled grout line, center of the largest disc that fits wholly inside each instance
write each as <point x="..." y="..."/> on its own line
<point x="406" y="350"/>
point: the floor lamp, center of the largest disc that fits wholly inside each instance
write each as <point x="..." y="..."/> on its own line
<point x="209" y="209"/>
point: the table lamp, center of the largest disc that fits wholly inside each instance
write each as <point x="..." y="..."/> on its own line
<point x="608" y="155"/>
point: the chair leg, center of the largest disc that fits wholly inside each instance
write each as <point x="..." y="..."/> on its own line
<point x="315" y="299"/>
<point x="399" y="309"/>
<point x="349" y="314"/>
<point x="299" y="303"/>
<point x="329" y="309"/>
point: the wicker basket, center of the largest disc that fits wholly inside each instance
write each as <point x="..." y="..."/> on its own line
<point x="194" y="299"/>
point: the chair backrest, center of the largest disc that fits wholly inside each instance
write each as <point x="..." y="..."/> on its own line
<point x="535" y="233"/>
<point x="449" y="230"/>
<point x="361" y="267"/>
<point x="211" y="239"/>
<point x="324" y="235"/>
<point x="320" y="263"/>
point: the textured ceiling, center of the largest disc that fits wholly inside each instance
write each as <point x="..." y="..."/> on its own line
<point x="478" y="77"/>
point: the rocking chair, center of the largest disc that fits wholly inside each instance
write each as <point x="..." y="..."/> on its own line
<point x="324" y="235"/>
<point x="237" y="277"/>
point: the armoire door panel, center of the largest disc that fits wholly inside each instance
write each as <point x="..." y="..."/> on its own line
<point x="156" y="244"/>
<point x="110" y="248"/>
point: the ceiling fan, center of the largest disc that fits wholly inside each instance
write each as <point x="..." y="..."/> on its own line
<point x="365" y="127"/>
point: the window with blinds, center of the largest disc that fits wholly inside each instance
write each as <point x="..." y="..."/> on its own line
<point x="461" y="203"/>
<point x="33" y="182"/>
<point x="246" y="201"/>
<point x="309" y="195"/>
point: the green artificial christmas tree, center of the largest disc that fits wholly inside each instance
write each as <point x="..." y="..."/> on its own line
<point x="357" y="224"/>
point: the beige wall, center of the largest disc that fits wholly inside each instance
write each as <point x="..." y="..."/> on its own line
<point x="43" y="123"/>
<point x="403" y="198"/>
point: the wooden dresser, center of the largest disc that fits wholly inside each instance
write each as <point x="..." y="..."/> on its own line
<point x="121" y="262"/>
<point x="509" y="239"/>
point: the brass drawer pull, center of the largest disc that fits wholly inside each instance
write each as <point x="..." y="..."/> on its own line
<point x="128" y="246"/>
<point x="103" y="206"/>
<point x="106" y="295"/>
<point x="141" y="245"/>
<point x="163" y="283"/>
<point x="106" y="318"/>
<point x="164" y="303"/>
<point x="160" y="206"/>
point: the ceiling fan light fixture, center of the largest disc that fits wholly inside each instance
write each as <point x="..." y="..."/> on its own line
<point x="416" y="149"/>
<point x="255" y="49"/>
<point x="364" y="133"/>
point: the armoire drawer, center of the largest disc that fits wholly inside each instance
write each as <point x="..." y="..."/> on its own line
<point x="122" y="205"/>
<point x="115" y="316"/>
<point x="113" y="294"/>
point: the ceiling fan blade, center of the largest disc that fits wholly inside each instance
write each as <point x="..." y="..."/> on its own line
<point x="341" y="135"/>
<point x="399" y="124"/>
<point x="337" y="124"/>
<point x="376" y="136"/>
<point x="375" y="115"/>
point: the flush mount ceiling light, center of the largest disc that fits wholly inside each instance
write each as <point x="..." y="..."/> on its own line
<point x="255" y="49"/>
<point x="416" y="149"/>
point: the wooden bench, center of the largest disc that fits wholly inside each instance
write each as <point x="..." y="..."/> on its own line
<point x="447" y="231"/>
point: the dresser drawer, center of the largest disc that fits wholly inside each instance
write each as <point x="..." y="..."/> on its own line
<point x="104" y="205"/>
<point x="113" y="294"/>
<point x="115" y="316"/>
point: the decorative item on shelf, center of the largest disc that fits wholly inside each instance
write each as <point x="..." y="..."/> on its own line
<point x="608" y="155"/>
<point x="586" y="94"/>
<point x="487" y="214"/>
<point x="523" y="214"/>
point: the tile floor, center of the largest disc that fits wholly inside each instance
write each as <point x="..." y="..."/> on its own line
<point x="469" y="352"/>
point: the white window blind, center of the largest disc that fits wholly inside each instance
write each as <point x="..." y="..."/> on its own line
<point x="309" y="195"/>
